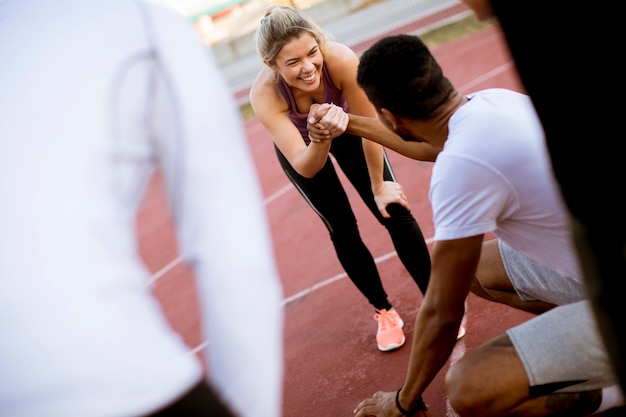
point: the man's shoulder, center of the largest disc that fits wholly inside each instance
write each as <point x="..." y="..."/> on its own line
<point x="499" y="93"/>
<point x="494" y="109"/>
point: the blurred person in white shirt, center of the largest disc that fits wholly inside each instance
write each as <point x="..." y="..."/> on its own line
<point x="94" y="97"/>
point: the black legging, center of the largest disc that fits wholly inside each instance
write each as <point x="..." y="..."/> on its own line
<point x="325" y="194"/>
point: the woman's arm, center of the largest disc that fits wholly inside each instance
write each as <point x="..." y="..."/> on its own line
<point x="270" y="107"/>
<point x="343" y="65"/>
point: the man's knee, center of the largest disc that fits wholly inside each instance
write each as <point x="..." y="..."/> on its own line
<point x="477" y="383"/>
<point x="463" y="387"/>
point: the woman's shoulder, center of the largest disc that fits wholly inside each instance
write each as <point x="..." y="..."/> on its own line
<point x="340" y="60"/>
<point x="264" y="83"/>
<point x="264" y="93"/>
<point x="265" y="78"/>
<point x="338" y="51"/>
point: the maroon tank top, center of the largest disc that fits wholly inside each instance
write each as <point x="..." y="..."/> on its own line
<point x="331" y="95"/>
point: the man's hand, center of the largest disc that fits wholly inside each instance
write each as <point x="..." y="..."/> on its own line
<point x="392" y="192"/>
<point x="383" y="404"/>
<point x="326" y="122"/>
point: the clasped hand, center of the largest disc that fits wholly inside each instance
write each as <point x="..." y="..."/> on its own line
<point x="326" y="122"/>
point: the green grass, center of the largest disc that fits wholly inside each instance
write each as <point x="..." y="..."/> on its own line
<point x="433" y="39"/>
<point x="246" y="111"/>
<point x="453" y="30"/>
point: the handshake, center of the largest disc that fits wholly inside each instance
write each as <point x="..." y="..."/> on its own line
<point x="326" y="122"/>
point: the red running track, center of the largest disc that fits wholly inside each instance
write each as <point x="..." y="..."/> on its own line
<point x="331" y="360"/>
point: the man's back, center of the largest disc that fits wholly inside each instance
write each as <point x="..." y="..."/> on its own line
<point x="494" y="176"/>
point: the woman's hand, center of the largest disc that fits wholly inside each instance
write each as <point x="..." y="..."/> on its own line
<point x="391" y="192"/>
<point x="326" y="122"/>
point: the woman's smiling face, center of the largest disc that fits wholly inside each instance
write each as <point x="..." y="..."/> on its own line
<point x="300" y="62"/>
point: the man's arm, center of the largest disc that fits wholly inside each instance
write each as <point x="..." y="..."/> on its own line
<point x="436" y="325"/>
<point x="329" y="121"/>
<point x="373" y="129"/>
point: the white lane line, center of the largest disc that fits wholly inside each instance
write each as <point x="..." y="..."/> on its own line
<point x="313" y="288"/>
<point x="199" y="348"/>
<point x="167" y="268"/>
<point x="329" y="281"/>
<point x="496" y="71"/>
<point x="277" y="194"/>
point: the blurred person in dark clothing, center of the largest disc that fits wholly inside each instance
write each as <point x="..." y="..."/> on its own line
<point x="565" y="82"/>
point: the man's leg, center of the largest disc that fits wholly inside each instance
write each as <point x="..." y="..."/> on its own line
<point x="492" y="282"/>
<point x="491" y="381"/>
<point x="553" y="364"/>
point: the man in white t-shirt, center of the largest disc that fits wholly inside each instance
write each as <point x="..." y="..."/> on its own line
<point x="94" y="96"/>
<point x="491" y="174"/>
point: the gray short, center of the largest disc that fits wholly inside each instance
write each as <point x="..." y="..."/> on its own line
<point x="535" y="281"/>
<point x="563" y="344"/>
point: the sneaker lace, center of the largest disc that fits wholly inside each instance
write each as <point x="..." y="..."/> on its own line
<point x="385" y="319"/>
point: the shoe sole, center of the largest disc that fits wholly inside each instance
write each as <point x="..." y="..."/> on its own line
<point x="391" y="346"/>
<point x="397" y="345"/>
<point x="461" y="333"/>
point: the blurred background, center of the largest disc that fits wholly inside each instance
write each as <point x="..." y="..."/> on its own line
<point x="228" y="26"/>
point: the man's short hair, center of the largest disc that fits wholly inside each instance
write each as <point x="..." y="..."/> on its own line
<point x="400" y="74"/>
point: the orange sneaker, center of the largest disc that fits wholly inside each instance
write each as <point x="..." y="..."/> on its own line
<point x="389" y="335"/>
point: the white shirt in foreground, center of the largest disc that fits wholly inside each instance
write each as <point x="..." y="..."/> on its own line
<point x="93" y="97"/>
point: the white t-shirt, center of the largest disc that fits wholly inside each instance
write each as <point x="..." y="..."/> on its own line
<point x="494" y="175"/>
<point x="93" y="97"/>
